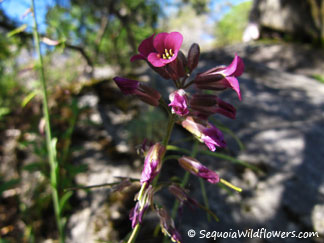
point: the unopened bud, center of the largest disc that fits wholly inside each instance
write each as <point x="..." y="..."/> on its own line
<point x="193" y="56"/>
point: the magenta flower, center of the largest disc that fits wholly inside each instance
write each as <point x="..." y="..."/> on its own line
<point x="167" y="46"/>
<point x="152" y="163"/>
<point x="136" y="213"/>
<point x="210" y="135"/>
<point x="196" y="168"/>
<point x="213" y="138"/>
<point x="205" y="105"/>
<point x="143" y="92"/>
<point x="145" y="48"/>
<point x="220" y="78"/>
<point x="167" y="225"/>
<point x="179" y="102"/>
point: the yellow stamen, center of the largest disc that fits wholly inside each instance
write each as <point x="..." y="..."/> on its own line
<point x="171" y="53"/>
<point x="163" y="56"/>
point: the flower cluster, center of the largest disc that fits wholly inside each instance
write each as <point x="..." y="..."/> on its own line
<point x="190" y="110"/>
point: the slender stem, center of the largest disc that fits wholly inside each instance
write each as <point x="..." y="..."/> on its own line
<point x="188" y="84"/>
<point x="183" y="81"/>
<point x="134" y="234"/>
<point x="165" y="106"/>
<point x="165" y="142"/>
<point x="50" y="147"/>
<point x="169" y="130"/>
<point x="184" y="180"/>
<point x="204" y="194"/>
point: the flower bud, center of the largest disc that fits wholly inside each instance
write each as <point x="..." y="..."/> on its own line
<point x="178" y="67"/>
<point x="193" y="56"/>
<point x="127" y="86"/>
<point x="142" y="91"/>
<point x="206" y="105"/>
<point x="153" y="163"/>
<point x="179" y="102"/>
<point x="194" y="167"/>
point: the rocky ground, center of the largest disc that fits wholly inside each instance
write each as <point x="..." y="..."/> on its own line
<point x="280" y="122"/>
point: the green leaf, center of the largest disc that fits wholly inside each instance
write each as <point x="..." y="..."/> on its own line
<point x="64" y="199"/>
<point x="17" y="30"/>
<point x="28" y="98"/>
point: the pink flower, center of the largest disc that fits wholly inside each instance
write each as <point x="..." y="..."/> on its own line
<point x="143" y="92"/>
<point x="166" y="48"/>
<point x="196" y="168"/>
<point x="220" y="78"/>
<point x="167" y="225"/>
<point x="179" y="102"/>
<point x="205" y="105"/>
<point x="210" y="135"/>
<point x="153" y="163"/>
<point x="145" y="48"/>
<point x="136" y="213"/>
<point x="213" y="138"/>
<point x="160" y="50"/>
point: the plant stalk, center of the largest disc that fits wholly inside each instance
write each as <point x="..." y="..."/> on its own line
<point x="50" y="148"/>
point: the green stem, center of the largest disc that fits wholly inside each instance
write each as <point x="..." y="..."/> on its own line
<point x="169" y="130"/>
<point x="188" y="84"/>
<point x="184" y="181"/>
<point x="134" y="234"/>
<point x="204" y="195"/>
<point x="165" y="142"/>
<point x="50" y="149"/>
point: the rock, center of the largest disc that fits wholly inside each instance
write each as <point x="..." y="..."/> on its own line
<point x="298" y="18"/>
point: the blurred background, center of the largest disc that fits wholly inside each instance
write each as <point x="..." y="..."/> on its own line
<point x="279" y="128"/>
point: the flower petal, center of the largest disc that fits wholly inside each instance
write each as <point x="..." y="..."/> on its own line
<point x="155" y="60"/>
<point x="233" y="83"/>
<point x="236" y="68"/>
<point x="146" y="47"/>
<point x="159" y="42"/>
<point x="137" y="57"/>
<point x="212" y="137"/>
<point x="173" y="41"/>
